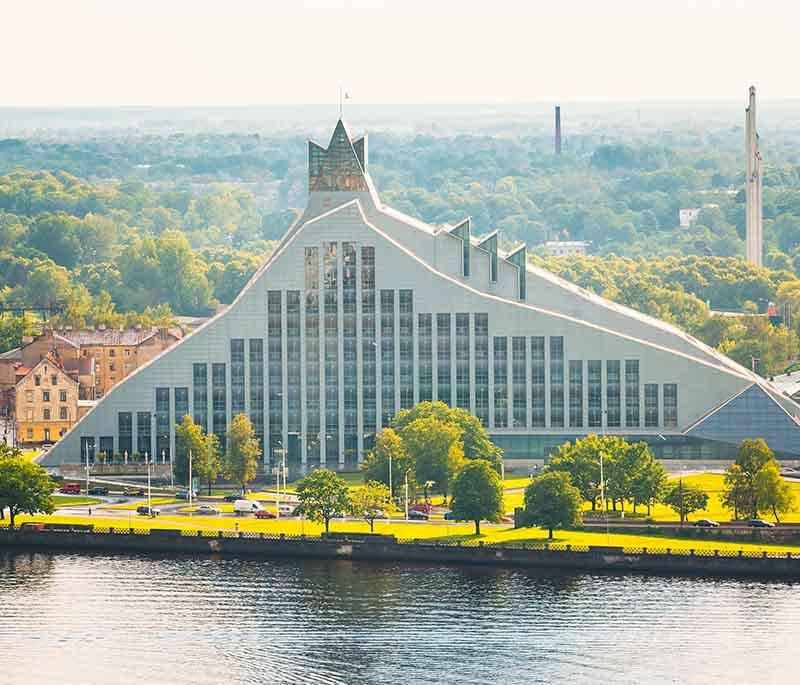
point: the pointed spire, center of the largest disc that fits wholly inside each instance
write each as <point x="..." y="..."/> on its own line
<point x="339" y="167"/>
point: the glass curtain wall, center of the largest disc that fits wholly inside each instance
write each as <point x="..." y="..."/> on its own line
<point x="368" y="346"/>
<point x="406" y="323"/>
<point x="350" y="354"/>
<point x="519" y="373"/>
<point x="388" y="408"/>
<point x="500" y="358"/>
<point x="330" y="268"/>
<point x="481" y="328"/>
<point x="425" y="334"/>
<point x="313" y="422"/>
<point x="444" y="371"/>
<point x="557" y="382"/>
<point x="462" y="361"/>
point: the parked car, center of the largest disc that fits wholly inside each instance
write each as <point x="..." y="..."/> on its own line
<point x="415" y="515"/>
<point x="449" y="516"/>
<point x="207" y="510"/>
<point x="706" y="523"/>
<point x="133" y="492"/>
<point x="246" y="506"/>
<point x="264" y="514"/>
<point x="47" y="447"/>
<point x="70" y="489"/>
<point x="144" y="510"/>
<point x="98" y="490"/>
<point x="184" y="494"/>
<point x="424" y="508"/>
<point x="232" y="497"/>
<point x="287" y="509"/>
<point x="760" y="523"/>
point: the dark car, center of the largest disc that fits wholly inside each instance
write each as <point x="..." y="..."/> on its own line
<point x="449" y="516"/>
<point x="706" y="523"/>
<point x="97" y="490"/>
<point x="415" y="515"/>
<point x="232" y="497"/>
<point x="147" y="511"/>
<point x="760" y="523"/>
<point x="133" y="492"/>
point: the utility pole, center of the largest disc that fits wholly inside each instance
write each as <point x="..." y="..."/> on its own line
<point x="149" y="497"/>
<point x="87" y="467"/>
<point x="190" y="479"/>
<point x="406" y="495"/>
<point x="391" y="493"/>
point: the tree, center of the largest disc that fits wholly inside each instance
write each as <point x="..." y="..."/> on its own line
<point x="241" y="459"/>
<point x="25" y="486"/>
<point x="648" y="485"/>
<point x="475" y="438"/>
<point x="740" y="491"/>
<point x="389" y="448"/>
<point x="685" y="499"/>
<point x="477" y="493"/>
<point x="773" y="493"/>
<point x="208" y="462"/>
<point x="323" y="495"/>
<point x="552" y="501"/>
<point x="735" y="492"/>
<point x="370" y="501"/>
<point x="189" y="437"/>
<point x="436" y="449"/>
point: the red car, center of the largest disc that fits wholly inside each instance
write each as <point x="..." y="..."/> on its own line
<point x="423" y="508"/>
<point x="264" y="514"/>
<point x="70" y="489"/>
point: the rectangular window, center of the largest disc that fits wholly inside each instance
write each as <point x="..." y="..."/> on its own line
<point x="670" y="405"/>
<point x="219" y="402"/>
<point x="125" y="432"/>
<point x="350" y="354"/>
<point x="406" y="324"/>
<point x="46" y="415"/>
<point x="293" y="371"/>
<point x="557" y="382"/>
<point x="37" y="380"/>
<point x="313" y="399"/>
<point x="538" y="388"/>
<point x="443" y="359"/>
<point x="62" y="395"/>
<point x="595" y="368"/>
<point x="181" y="403"/>
<point x="462" y="361"/>
<point x="63" y="413"/>
<point x="45" y="395"/>
<point x="237" y="376"/>
<point x="481" y="327"/>
<point x="632" y="393"/>
<point x="29" y="414"/>
<point x="330" y="269"/>
<point x="200" y="394"/>
<point x="425" y="334"/>
<point x="53" y="380"/>
<point x="144" y="443"/>
<point x="275" y="369"/>
<point x="162" y="424"/>
<point x="369" y="346"/>
<point x="613" y="394"/>
<point x="255" y="349"/>
<point x="29" y="395"/>
<point x="575" y="393"/>
<point x="651" y="405"/>
<point x="387" y="356"/>
<point x="519" y="373"/>
<point x="500" y="358"/>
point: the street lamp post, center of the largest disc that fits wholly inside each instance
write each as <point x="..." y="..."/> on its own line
<point x="149" y="497"/>
<point x="87" y="467"/>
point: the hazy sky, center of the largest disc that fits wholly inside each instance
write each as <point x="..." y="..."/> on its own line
<point x="242" y="52"/>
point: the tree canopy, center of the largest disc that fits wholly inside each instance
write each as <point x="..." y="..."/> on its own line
<point x="323" y="495"/>
<point x="477" y="494"/>
<point x="25" y="487"/>
<point x="552" y="501"/>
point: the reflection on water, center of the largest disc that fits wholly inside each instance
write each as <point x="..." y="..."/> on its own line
<point x="85" y="619"/>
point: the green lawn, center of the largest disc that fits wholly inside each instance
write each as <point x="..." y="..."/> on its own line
<point x="75" y="501"/>
<point x="134" y="505"/>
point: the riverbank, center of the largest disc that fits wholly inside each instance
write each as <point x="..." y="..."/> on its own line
<point x="358" y="547"/>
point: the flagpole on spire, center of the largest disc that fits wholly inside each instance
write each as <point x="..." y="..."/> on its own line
<point x="340" y="100"/>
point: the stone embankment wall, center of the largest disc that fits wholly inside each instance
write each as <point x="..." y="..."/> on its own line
<point x="261" y="546"/>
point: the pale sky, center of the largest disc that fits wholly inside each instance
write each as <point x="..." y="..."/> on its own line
<point x="262" y="52"/>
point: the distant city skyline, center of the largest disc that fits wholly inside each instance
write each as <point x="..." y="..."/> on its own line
<point x="209" y="52"/>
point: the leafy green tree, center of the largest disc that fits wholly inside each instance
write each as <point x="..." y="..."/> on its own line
<point x="12" y="330"/>
<point x="735" y="492"/>
<point x="773" y="493"/>
<point x="389" y="448"/>
<point x="740" y="490"/>
<point x="209" y="462"/>
<point x="25" y="487"/>
<point x="475" y="439"/>
<point x="370" y="502"/>
<point x="552" y="501"/>
<point x="477" y="494"/>
<point x="648" y="484"/>
<point x="685" y="499"/>
<point x="436" y="449"/>
<point x="323" y="495"/>
<point x="243" y="451"/>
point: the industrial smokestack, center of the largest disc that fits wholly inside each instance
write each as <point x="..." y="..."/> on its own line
<point x="558" y="130"/>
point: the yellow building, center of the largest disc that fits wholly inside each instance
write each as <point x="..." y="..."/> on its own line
<point x="46" y="402"/>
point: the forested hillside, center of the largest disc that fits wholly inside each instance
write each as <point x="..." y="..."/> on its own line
<point x="116" y="225"/>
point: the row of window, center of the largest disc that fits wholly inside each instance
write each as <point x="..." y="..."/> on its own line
<point x="30" y="397"/>
<point x="47" y="414"/>
<point x="37" y="380"/>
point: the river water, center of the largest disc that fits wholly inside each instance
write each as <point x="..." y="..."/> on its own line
<point x="68" y="618"/>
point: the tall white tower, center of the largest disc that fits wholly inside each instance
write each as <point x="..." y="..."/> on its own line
<point x="755" y="234"/>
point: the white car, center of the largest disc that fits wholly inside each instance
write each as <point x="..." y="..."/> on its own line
<point x="207" y="510"/>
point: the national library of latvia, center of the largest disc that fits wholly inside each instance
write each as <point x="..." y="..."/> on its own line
<point x="362" y="311"/>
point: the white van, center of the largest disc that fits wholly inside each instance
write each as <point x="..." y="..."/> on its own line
<point x="286" y="509"/>
<point x="245" y="506"/>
